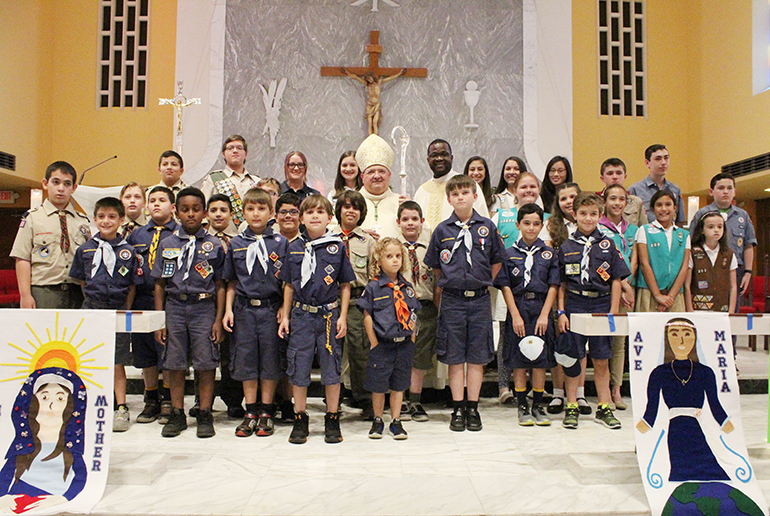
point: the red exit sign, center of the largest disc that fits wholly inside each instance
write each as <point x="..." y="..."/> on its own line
<point x="7" y="196"/>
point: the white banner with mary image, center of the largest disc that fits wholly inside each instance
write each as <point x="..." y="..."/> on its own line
<point x="688" y="427"/>
<point x="56" y="409"/>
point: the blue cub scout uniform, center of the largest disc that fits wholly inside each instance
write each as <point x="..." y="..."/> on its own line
<point x="171" y="263"/>
<point x="105" y="289"/>
<point x="259" y="284"/>
<point x="141" y="239"/>
<point x="529" y="272"/>
<point x="464" y="333"/>
<point x="377" y="299"/>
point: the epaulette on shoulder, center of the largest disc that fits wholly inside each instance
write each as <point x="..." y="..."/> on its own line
<point x="82" y="215"/>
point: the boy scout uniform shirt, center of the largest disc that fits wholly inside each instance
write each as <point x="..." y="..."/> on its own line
<point x="456" y="272"/>
<point x="360" y="246"/>
<point x="141" y="240"/>
<point x="377" y="299"/>
<point x="38" y="241"/>
<point x="605" y="263"/>
<point x="223" y="236"/>
<point x="129" y="226"/>
<point x="425" y="281"/>
<point x="259" y="284"/>
<point x="102" y="288"/>
<point x="332" y="269"/>
<point x="544" y="271"/>
<point x="205" y="269"/>
<point x="740" y="230"/>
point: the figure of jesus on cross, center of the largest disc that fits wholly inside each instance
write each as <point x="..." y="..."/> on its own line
<point x="373" y="77"/>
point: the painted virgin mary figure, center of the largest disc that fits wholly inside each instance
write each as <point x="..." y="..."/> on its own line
<point x="685" y="384"/>
<point x="44" y="465"/>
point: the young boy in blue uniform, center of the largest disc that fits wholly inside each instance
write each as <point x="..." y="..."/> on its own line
<point x="317" y="279"/>
<point x="390" y="309"/>
<point x="146" y="350"/>
<point x="466" y="253"/>
<point x="187" y="275"/>
<point x="592" y="269"/>
<point x="254" y="295"/>
<point x="106" y="267"/>
<point x="529" y="280"/>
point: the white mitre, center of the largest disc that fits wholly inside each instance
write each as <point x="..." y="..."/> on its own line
<point x="374" y="151"/>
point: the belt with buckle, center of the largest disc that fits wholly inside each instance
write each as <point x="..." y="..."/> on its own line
<point x="467" y="293"/>
<point x="328" y="307"/>
<point x="61" y="286"/>
<point x="261" y="302"/>
<point x="193" y="297"/>
<point x="589" y="293"/>
<point x="530" y="295"/>
<point x="397" y="339"/>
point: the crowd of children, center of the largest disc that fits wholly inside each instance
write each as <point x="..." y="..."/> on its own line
<point x="270" y="294"/>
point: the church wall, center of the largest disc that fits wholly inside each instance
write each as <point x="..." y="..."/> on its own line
<point x="26" y="85"/>
<point x="673" y="93"/>
<point x="84" y="135"/>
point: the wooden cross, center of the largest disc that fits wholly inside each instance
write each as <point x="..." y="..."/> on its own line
<point x="373" y="77"/>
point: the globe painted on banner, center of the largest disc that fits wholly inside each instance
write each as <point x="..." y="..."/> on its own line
<point x="709" y="498"/>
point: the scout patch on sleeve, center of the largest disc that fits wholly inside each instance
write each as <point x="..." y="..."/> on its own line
<point x="123" y="271"/>
<point x="85" y="231"/>
<point x="546" y="255"/>
<point x="168" y="268"/>
<point x="603" y="273"/>
<point x="446" y="255"/>
<point x="273" y="256"/>
<point x="328" y="269"/>
<point x="332" y="248"/>
<point x="124" y="254"/>
<point x="207" y="246"/>
<point x="604" y="244"/>
<point x="328" y="280"/>
<point x="572" y="268"/>
<point x="23" y="223"/>
<point x="483" y="231"/>
<point x="410" y="291"/>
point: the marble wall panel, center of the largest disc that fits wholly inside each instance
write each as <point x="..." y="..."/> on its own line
<point x="456" y="40"/>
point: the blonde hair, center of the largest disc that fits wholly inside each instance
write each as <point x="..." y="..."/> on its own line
<point x="379" y="250"/>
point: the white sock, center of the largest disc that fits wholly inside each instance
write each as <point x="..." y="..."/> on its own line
<point x="558" y="393"/>
<point x="581" y="392"/>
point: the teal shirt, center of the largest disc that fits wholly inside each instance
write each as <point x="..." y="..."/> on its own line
<point x="665" y="262"/>
<point x="506" y="225"/>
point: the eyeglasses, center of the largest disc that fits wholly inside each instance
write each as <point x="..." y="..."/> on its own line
<point x="293" y="213"/>
<point x="558" y="170"/>
<point x="295" y="165"/>
<point x="235" y="147"/>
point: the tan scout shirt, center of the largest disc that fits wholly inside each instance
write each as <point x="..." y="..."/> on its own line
<point x="424" y="287"/>
<point x="39" y="242"/>
<point x="634" y="212"/>
<point x="361" y="246"/>
<point x="140" y="221"/>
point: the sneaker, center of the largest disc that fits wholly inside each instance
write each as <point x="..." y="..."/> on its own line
<point x="367" y="411"/>
<point x="235" y="412"/>
<point x="247" y="426"/>
<point x="177" y="422"/>
<point x="417" y="412"/>
<point x="584" y="407"/>
<point x="165" y="412"/>
<point x="150" y="412"/>
<point x="120" y="419"/>
<point x="301" y="428"/>
<point x="473" y="420"/>
<point x="397" y="430"/>
<point x="377" y="428"/>
<point x="525" y="416"/>
<point x="205" y="424"/>
<point x="506" y="398"/>
<point x="332" y="433"/>
<point x="571" y="415"/>
<point x="195" y="410"/>
<point x="287" y="412"/>
<point x="605" y="416"/>
<point x="265" y="424"/>
<point x="541" y="418"/>
<point x="457" y="424"/>
<point x="556" y="405"/>
<point x="406" y="411"/>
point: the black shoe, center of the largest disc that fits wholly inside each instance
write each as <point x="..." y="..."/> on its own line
<point x="473" y="419"/>
<point x="584" y="407"/>
<point x="177" y="422"/>
<point x="165" y="412"/>
<point x="287" y="412"/>
<point x="377" y="427"/>
<point x="150" y="412"/>
<point x="457" y="424"/>
<point x="265" y="426"/>
<point x="247" y="426"/>
<point x="397" y="430"/>
<point x="205" y="424"/>
<point x="332" y="433"/>
<point x="235" y="412"/>
<point x="367" y="413"/>
<point x="195" y="410"/>
<point x="301" y="429"/>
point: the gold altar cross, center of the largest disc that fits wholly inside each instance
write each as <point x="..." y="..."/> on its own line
<point x="179" y="102"/>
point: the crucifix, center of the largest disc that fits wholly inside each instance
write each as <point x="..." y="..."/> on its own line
<point x="373" y="77"/>
<point x="179" y="102"/>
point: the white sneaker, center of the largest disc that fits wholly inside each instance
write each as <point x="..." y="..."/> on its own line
<point x="120" y="420"/>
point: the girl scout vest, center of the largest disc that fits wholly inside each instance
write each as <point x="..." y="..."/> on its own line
<point x="665" y="263"/>
<point x="711" y="283"/>
<point x="506" y="225"/>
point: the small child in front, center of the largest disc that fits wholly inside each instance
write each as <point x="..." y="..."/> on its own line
<point x="592" y="269"/>
<point x="188" y="281"/>
<point x="317" y="276"/>
<point x="106" y="266"/>
<point x="529" y="280"/>
<point x="466" y="253"/>
<point x="254" y="296"/>
<point x="390" y="309"/>
<point x="711" y="283"/>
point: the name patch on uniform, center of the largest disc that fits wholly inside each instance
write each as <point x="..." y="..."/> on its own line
<point x="332" y="248"/>
<point x="168" y="268"/>
<point x="328" y="269"/>
<point x="446" y="255"/>
<point x="124" y="254"/>
<point x="572" y="268"/>
<point x="171" y="253"/>
<point x="44" y="252"/>
<point x="123" y="271"/>
<point x="328" y="280"/>
<point x="483" y="231"/>
<point x="546" y="255"/>
<point x="207" y="246"/>
<point x="604" y="244"/>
